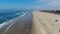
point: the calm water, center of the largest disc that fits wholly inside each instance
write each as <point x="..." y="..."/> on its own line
<point x="6" y="15"/>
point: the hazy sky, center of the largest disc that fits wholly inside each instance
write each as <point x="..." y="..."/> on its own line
<point x="30" y="4"/>
<point x="48" y="4"/>
<point x="24" y="4"/>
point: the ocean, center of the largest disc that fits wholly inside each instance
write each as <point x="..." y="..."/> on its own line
<point x="6" y="15"/>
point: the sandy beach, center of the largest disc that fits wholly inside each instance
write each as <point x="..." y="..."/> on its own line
<point x="45" y="23"/>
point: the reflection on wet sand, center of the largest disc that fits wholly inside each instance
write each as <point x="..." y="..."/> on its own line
<point x="22" y="26"/>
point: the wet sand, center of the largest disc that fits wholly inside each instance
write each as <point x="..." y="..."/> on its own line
<point x="22" y="26"/>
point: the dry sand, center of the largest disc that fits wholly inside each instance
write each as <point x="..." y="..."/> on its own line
<point x="45" y="23"/>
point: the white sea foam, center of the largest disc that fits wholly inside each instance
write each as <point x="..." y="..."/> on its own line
<point x="5" y="23"/>
<point x="13" y="22"/>
<point x="10" y="22"/>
